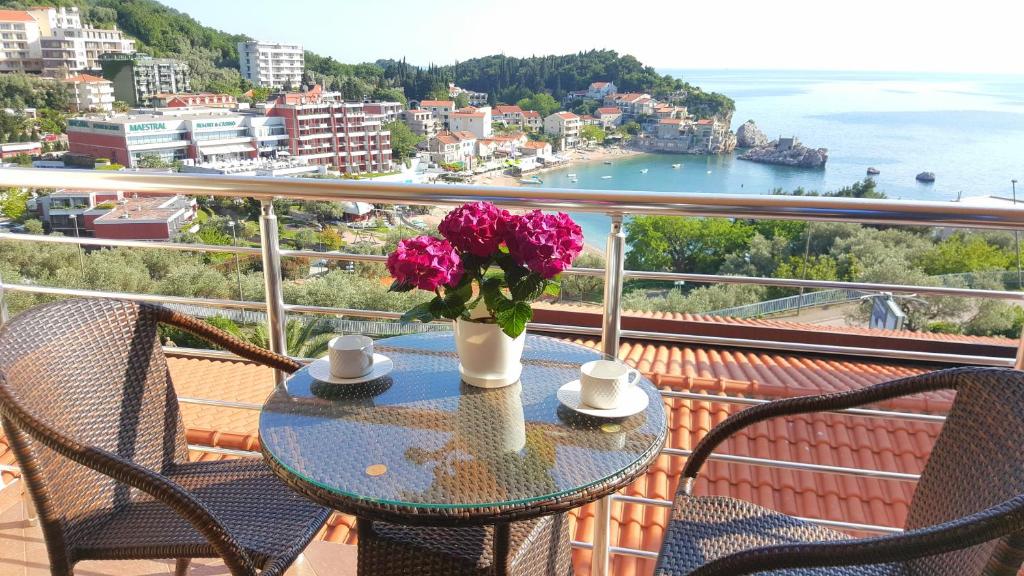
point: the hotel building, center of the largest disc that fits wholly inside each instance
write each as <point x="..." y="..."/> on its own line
<point x="139" y="77"/>
<point x="271" y="64"/>
<point x="90" y="93"/>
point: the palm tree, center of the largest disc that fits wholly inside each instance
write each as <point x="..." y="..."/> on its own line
<point x="302" y="339"/>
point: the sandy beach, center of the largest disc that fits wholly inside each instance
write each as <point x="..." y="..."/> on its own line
<point x="574" y="157"/>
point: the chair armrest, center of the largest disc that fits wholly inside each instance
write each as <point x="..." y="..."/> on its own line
<point x="18" y="423"/>
<point x="221" y="338"/>
<point x="939" y="380"/>
<point x="995" y="522"/>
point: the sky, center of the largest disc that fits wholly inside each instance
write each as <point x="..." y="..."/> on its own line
<point x="984" y="36"/>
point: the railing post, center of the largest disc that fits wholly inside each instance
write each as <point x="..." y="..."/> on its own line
<point x="271" y="250"/>
<point x="615" y="254"/>
<point x="4" y="317"/>
<point x="1019" y="363"/>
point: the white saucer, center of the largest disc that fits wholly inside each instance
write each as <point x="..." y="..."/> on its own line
<point x="320" y="370"/>
<point x="635" y="402"/>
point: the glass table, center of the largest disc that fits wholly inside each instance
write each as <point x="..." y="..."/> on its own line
<point x="419" y="447"/>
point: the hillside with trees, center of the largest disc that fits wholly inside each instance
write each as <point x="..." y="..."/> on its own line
<point x="212" y="56"/>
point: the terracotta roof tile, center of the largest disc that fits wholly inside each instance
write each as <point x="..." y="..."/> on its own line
<point x="15" y="16"/>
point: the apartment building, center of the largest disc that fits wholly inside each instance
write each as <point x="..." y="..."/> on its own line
<point x="421" y="122"/>
<point x="19" y="39"/>
<point x="453" y="147"/>
<point x="271" y="64"/>
<point x="470" y="119"/>
<point x="90" y="93"/>
<point x="532" y="120"/>
<point x="139" y="77"/>
<point x="68" y="47"/>
<point x="566" y="126"/>
<point x="441" y="109"/>
<point x="474" y="98"/>
<point x="598" y="90"/>
<point x="505" y="114"/>
<point x="178" y="134"/>
<point x="384" y="111"/>
<point x="325" y="130"/>
<point x="609" y="116"/>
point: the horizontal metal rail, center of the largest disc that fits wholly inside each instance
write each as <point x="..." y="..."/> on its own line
<point x="616" y="550"/>
<point x="786" y="464"/>
<point x="225" y="451"/>
<point x="867" y="412"/>
<point x="781" y="207"/>
<point x="592" y="272"/>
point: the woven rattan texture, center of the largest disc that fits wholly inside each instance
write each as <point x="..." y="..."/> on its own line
<point x="88" y="405"/>
<point x="537" y="547"/>
<point x="967" y="515"/>
<point x="454" y="454"/>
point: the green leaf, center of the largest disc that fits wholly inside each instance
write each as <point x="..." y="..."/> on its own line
<point x="528" y="288"/>
<point x="419" y="312"/>
<point x="513" y="272"/>
<point x="493" y="298"/>
<point x="553" y="288"/>
<point x="513" y="319"/>
<point x="440" y="308"/>
<point x="461" y="293"/>
<point x="397" y="286"/>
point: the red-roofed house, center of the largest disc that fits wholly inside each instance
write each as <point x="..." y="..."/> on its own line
<point x="507" y="114"/>
<point x="670" y="128"/>
<point x="441" y="109"/>
<point x="632" y="103"/>
<point x="475" y="120"/>
<point x="21" y="35"/>
<point x="598" y="90"/>
<point x="532" y="120"/>
<point x="453" y="147"/>
<point x="90" y="93"/>
<point x="541" y="150"/>
<point x="205" y="99"/>
<point x="608" y="116"/>
<point x="566" y="126"/>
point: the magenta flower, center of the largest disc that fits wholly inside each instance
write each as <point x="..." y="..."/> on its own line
<point x="426" y="263"/>
<point x="545" y="243"/>
<point x="475" y="228"/>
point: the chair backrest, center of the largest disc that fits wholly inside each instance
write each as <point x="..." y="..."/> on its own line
<point x="90" y="372"/>
<point x="976" y="463"/>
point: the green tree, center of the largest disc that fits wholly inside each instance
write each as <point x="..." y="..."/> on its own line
<point x="330" y="239"/>
<point x="669" y="243"/>
<point x="632" y="128"/>
<point x="33" y="226"/>
<point x="543" y="103"/>
<point x="121" y="106"/>
<point x="964" y="252"/>
<point x="403" y="140"/>
<point x="13" y="203"/>
<point x="462" y="100"/>
<point x="389" y="95"/>
<point x="305" y="238"/>
<point x="584" y="288"/>
<point x="152" y="161"/>
<point x="303" y="339"/>
<point x="592" y="133"/>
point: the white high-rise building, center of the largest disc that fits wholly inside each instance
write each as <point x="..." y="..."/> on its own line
<point x="68" y="47"/>
<point x="271" y="64"/>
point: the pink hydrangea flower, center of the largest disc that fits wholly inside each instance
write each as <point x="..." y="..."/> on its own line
<point x="426" y="263"/>
<point x="545" y="243"/>
<point x="475" y="228"/>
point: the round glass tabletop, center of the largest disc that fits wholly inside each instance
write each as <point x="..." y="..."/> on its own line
<point x="420" y="442"/>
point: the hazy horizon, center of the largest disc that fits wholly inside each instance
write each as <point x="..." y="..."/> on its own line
<point x="803" y="35"/>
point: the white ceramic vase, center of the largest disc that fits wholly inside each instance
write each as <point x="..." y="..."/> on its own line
<point x="488" y="358"/>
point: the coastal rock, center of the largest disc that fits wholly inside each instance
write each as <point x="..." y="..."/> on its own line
<point x="787" y="152"/>
<point x="926" y="177"/>
<point x="750" y="136"/>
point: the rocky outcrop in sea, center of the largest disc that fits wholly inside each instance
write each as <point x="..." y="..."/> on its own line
<point x="750" y="136"/>
<point x="787" y="152"/>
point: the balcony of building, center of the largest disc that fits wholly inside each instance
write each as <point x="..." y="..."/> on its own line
<point x="852" y="470"/>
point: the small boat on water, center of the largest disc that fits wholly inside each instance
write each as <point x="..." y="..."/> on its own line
<point x="606" y="177"/>
<point x="644" y="171"/>
<point x="676" y="165"/>
<point x="607" y="161"/>
<point x="573" y="180"/>
<point x="571" y="174"/>
<point x="531" y="180"/>
<point x="709" y="171"/>
<point x="874" y="171"/>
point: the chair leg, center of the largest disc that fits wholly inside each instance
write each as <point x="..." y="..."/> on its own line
<point x="30" y="507"/>
<point x="181" y="566"/>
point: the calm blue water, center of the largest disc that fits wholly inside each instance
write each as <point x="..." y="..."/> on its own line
<point x="968" y="129"/>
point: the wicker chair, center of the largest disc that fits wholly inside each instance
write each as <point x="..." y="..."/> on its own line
<point x="966" y="518"/>
<point x="88" y="406"/>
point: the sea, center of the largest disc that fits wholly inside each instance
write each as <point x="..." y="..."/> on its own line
<point x="966" y="128"/>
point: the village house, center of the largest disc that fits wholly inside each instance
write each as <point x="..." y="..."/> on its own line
<point x="474" y="120"/>
<point x="609" y="117"/>
<point x="541" y="150"/>
<point x="453" y="147"/>
<point x="421" y="122"/>
<point x="532" y="120"/>
<point x="475" y="98"/>
<point x="506" y="115"/>
<point x="598" y="90"/>
<point x="588" y="120"/>
<point x="441" y="109"/>
<point x="631" y="104"/>
<point x="566" y="126"/>
<point x="505" y="144"/>
<point x="670" y="128"/>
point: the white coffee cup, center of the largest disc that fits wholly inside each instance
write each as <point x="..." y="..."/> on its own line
<point x="351" y="356"/>
<point x="603" y="383"/>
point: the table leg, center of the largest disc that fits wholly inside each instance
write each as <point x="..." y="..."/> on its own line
<point x="502" y="545"/>
<point x="602" y="537"/>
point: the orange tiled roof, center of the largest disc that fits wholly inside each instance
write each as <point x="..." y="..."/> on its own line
<point x="536" y="145"/>
<point x="448" y="103"/>
<point x="502" y="109"/>
<point x="15" y="16"/>
<point x="86" y="78"/>
<point x="531" y="114"/>
<point x="670" y="121"/>
<point x="464" y="135"/>
<point x="608" y="110"/>
<point x="705" y="121"/>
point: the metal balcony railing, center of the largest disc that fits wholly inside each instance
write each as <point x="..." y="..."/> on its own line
<point x="615" y="204"/>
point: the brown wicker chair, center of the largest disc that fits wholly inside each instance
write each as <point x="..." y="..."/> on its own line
<point x="88" y="406"/>
<point x="966" y="518"/>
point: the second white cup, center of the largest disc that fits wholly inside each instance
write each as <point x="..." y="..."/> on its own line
<point x="603" y="383"/>
<point x="351" y="356"/>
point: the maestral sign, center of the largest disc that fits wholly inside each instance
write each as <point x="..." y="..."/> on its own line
<point x="147" y="126"/>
